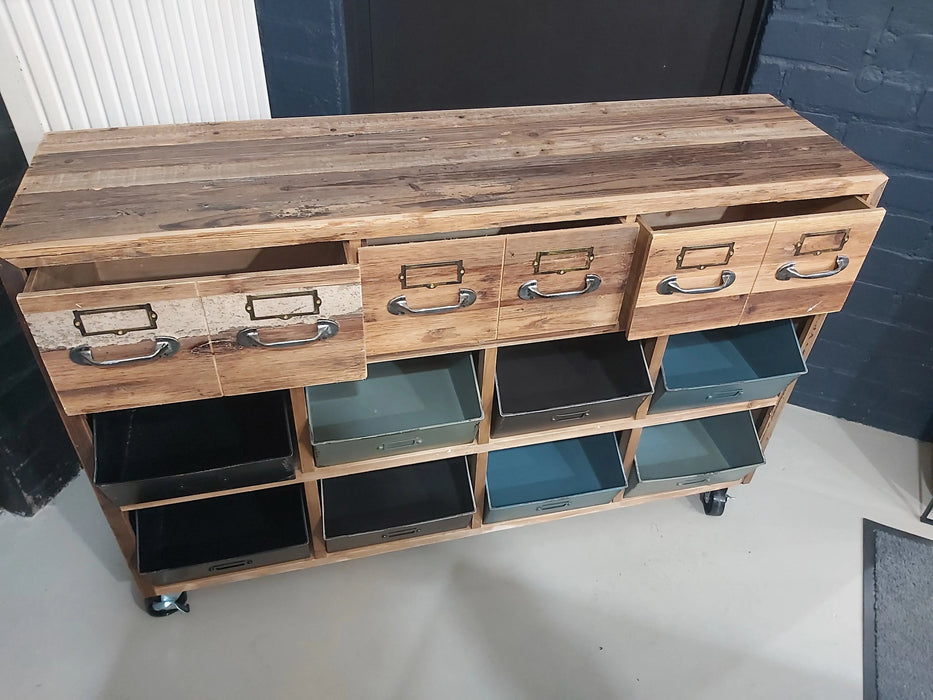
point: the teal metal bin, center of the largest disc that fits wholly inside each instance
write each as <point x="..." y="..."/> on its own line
<point x="553" y="476"/>
<point x="726" y="365"/>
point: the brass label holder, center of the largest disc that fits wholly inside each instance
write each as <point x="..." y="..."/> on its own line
<point x="840" y="235"/>
<point x="683" y="259"/>
<point x="449" y="272"/>
<point x="252" y="298"/>
<point x="82" y="315"/>
<point x="542" y="256"/>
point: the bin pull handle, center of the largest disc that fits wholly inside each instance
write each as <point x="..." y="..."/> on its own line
<point x="554" y="506"/>
<point x="399" y="305"/>
<point x="165" y="347"/>
<point x="400" y="444"/>
<point x="249" y="337"/>
<point x="570" y="416"/>
<point x="231" y="565"/>
<point x="725" y="394"/>
<point x="529" y="290"/>
<point x="401" y="533"/>
<point x="669" y="285"/>
<point x="698" y="480"/>
<point x="789" y="270"/>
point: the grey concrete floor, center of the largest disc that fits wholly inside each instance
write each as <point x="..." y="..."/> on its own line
<point x="657" y="601"/>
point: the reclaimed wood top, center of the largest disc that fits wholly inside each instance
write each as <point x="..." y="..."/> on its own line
<point x="158" y="190"/>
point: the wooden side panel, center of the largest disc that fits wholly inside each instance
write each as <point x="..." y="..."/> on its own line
<point x="424" y="264"/>
<point x="812" y="244"/>
<point x="696" y="258"/>
<point x="604" y="251"/>
<point x="122" y="322"/>
<point x="285" y="306"/>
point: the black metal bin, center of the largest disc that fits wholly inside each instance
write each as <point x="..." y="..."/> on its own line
<point x="541" y="385"/>
<point x="179" y="449"/>
<point x="395" y="504"/>
<point x="216" y="535"/>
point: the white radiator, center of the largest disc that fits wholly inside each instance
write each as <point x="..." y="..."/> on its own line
<point x="79" y="64"/>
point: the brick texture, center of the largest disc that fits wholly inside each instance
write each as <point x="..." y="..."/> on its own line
<point x="862" y="70"/>
<point x="36" y="459"/>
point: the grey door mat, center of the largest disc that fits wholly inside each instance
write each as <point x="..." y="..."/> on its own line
<point x="898" y="614"/>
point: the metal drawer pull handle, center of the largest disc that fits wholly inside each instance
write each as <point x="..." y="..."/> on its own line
<point x="725" y="395"/>
<point x="401" y="533"/>
<point x="691" y="482"/>
<point x="249" y="337"/>
<point x="570" y="416"/>
<point x="165" y="347"/>
<point x="400" y="445"/>
<point x="669" y="285"/>
<point x="529" y="290"/>
<point x="231" y="565"/>
<point x="789" y="270"/>
<point x="399" y="306"/>
<point x="553" y="506"/>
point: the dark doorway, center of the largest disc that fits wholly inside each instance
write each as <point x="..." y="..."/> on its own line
<point x="409" y="55"/>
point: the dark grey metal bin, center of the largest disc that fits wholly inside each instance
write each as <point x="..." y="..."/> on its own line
<point x="400" y="407"/>
<point x="179" y="449"/>
<point x="559" y="382"/>
<point x="725" y="365"/>
<point x="396" y="504"/>
<point x="691" y="453"/>
<point x="217" y="535"/>
<point x="553" y="476"/>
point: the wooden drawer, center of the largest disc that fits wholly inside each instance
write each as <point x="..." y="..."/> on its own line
<point x="695" y="275"/>
<point x="565" y="280"/>
<point x="812" y="261"/>
<point x="228" y="323"/>
<point x="431" y="295"/>
<point x="286" y="328"/>
<point x="124" y="345"/>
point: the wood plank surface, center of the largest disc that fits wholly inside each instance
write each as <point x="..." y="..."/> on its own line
<point x="145" y="191"/>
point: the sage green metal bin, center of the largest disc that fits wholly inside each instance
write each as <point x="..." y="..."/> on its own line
<point x="694" y="453"/>
<point x="400" y="407"/>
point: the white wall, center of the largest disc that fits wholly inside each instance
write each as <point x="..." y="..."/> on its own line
<point x="80" y="64"/>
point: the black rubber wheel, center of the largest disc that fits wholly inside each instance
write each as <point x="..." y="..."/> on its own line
<point x="714" y="502"/>
<point x="157" y="611"/>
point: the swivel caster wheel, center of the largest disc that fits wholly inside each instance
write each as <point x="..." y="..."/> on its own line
<point x="163" y="605"/>
<point x="714" y="502"/>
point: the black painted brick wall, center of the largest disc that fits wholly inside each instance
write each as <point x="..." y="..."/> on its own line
<point x="304" y="55"/>
<point x="862" y="70"/>
<point x="36" y="459"/>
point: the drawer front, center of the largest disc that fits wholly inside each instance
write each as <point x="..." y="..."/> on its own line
<point x="124" y="346"/>
<point x="289" y="328"/>
<point x="560" y="281"/>
<point x="811" y="264"/>
<point x="437" y="294"/>
<point x="696" y="278"/>
<point x="652" y="486"/>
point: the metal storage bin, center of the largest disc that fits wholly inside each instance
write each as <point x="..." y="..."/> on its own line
<point x="216" y="535"/>
<point x="400" y="407"/>
<point x="156" y="452"/>
<point x="693" y="453"/>
<point x="396" y="504"/>
<point x="580" y="379"/>
<point x="553" y="476"/>
<point x="743" y="363"/>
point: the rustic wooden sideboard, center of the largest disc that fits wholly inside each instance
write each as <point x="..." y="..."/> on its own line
<point x="165" y="264"/>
